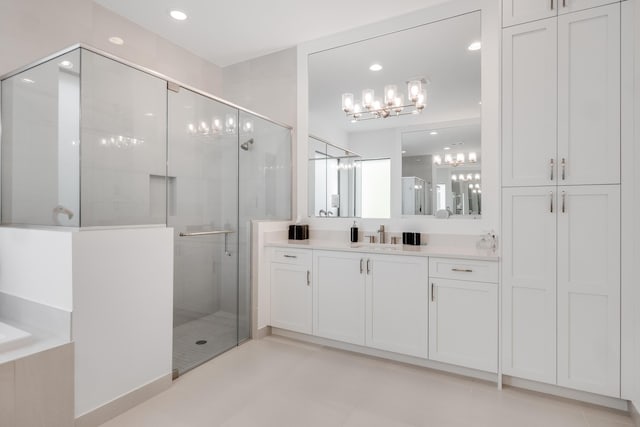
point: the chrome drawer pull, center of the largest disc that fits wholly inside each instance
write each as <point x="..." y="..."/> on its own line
<point x="290" y="256"/>
<point x="462" y="270"/>
<point x="308" y="278"/>
<point x="432" y="297"/>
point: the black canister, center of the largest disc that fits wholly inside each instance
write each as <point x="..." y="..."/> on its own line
<point x="354" y="232"/>
<point x="412" y="239"/>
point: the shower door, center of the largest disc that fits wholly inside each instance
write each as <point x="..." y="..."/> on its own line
<point x="202" y="207"/>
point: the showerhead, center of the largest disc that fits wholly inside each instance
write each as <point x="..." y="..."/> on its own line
<point x="245" y="145"/>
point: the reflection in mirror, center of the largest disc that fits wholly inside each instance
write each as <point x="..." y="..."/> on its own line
<point x="332" y="179"/>
<point x="441" y="171"/>
<point x="371" y="95"/>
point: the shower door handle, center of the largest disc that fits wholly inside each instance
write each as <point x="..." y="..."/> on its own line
<point x="211" y="233"/>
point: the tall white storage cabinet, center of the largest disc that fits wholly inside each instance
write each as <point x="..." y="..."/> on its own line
<point x="529" y="282"/>
<point x="561" y="195"/>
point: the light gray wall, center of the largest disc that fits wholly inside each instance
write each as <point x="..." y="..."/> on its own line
<point x="266" y="85"/>
<point x="33" y="29"/>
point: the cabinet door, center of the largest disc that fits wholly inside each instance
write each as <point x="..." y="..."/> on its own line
<point x="463" y="323"/>
<point x="589" y="96"/>
<point x="529" y="112"/>
<point x="567" y="6"/>
<point x="339" y="296"/>
<point x="397" y="304"/>
<point x="589" y="289"/>
<point x="520" y="11"/>
<point x="291" y="297"/>
<point x="529" y="282"/>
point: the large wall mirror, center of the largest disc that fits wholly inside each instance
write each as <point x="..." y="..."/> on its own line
<point x="408" y="103"/>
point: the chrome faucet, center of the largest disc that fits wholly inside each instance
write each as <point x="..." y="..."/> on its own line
<point x="381" y="234"/>
<point x="322" y="212"/>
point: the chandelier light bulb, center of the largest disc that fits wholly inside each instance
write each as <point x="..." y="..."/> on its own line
<point x="477" y="176"/>
<point x="368" y="98"/>
<point x="398" y="104"/>
<point x="461" y="177"/>
<point x="357" y="110"/>
<point x="377" y="104"/>
<point x="390" y="94"/>
<point x="469" y="177"/>
<point x="414" y="90"/>
<point x="477" y="185"/>
<point x="470" y="185"/>
<point x="230" y="123"/>
<point x="454" y="177"/>
<point x="448" y="158"/>
<point x="217" y="125"/>
<point x="247" y="126"/>
<point x="347" y="102"/>
<point x="460" y="158"/>
<point x="437" y="160"/>
<point x="421" y="102"/>
<point x="472" y="157"/>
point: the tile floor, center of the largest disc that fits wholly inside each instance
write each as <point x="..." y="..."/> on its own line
<point x="280" y="382"/>
<point x="218" y="329"/>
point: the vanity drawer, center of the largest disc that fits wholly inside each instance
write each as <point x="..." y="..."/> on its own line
<point x="464" y="269"/>
<point x="291" y="256"/>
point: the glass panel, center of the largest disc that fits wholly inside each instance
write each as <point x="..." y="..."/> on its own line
<point x="123" y="144"/>
<point x="265" y="188"/>
<point x="317" y="174"/>
<point x="203" y="197"/>
<point x="40" y="144"/>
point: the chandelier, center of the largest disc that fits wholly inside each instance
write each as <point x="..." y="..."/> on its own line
<point x="393" y="103"/>
<point x="218" y="127"/>
<point x="458" y="160"/>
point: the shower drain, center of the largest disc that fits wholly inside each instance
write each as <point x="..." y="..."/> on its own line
<point x="201" y="342"/>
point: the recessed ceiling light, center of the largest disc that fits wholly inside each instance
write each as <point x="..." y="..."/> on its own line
<point x="116" y="40"/>
<point x="178" y="15"/>
<point x="404" y="151"/>
<point x="475" y="46"/>
<point x="433" y="133"/>
<point x="447" y="148"/>
<point x="66" y="64"/>
<point x="376" y="67"/>
<point x="27" y="80"/>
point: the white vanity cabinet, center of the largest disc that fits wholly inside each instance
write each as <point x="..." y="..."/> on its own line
<point x="561" y="100"/>
<point x="397" y="288"/>
<point x="463" y="313"/>
<point x="291" y="289"/>
<point x="520" y="11"/>
<point x="339" y="296"/>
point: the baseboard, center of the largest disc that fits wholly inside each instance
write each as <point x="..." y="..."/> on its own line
<point x="567" y="393"/>
<point x="264" y="332"/>
<point x="411" y="360"/>
<point x="122" y="404"/>
<point x="635" y="415"/>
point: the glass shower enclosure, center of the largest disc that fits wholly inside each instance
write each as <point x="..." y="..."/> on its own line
<point x="89" y="140"/>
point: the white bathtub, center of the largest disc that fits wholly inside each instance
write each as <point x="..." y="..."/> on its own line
<point x="11" y="337"/>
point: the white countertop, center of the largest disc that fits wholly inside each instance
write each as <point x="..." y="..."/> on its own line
<point x="38" y="341"/>
<point x="389" y="249"/>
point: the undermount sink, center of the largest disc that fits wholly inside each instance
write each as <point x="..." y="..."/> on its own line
<point x="378" y="246"/>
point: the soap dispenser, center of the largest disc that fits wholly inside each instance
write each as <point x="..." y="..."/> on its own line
<point x="354" y="232"/>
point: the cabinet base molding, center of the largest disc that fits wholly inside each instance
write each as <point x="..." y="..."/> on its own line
<point x="122" y="404"/>
<point x="567" y="393"/>
<point x="452" y="369"/>
<point x="635" y="415"/>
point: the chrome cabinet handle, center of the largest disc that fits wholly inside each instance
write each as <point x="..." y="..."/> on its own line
<point x="551" y="199"/>
<point x="551" y="165"/>
<point x="308" y="278"/>
<point x="564" y="164"/>
<point x="563" y="201"/>
<point x="361" y="265"/>
<point x="432" y="296"/>
<point x="462" y="270"/>
<point x="368" y="266"/>
<point x="290" y="256"/>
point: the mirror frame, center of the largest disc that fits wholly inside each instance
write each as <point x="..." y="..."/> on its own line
<point x="490" y="115"/>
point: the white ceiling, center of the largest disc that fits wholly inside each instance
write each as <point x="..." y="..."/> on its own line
<point x="227" y="32"/>
<point x="460" y="139"/>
